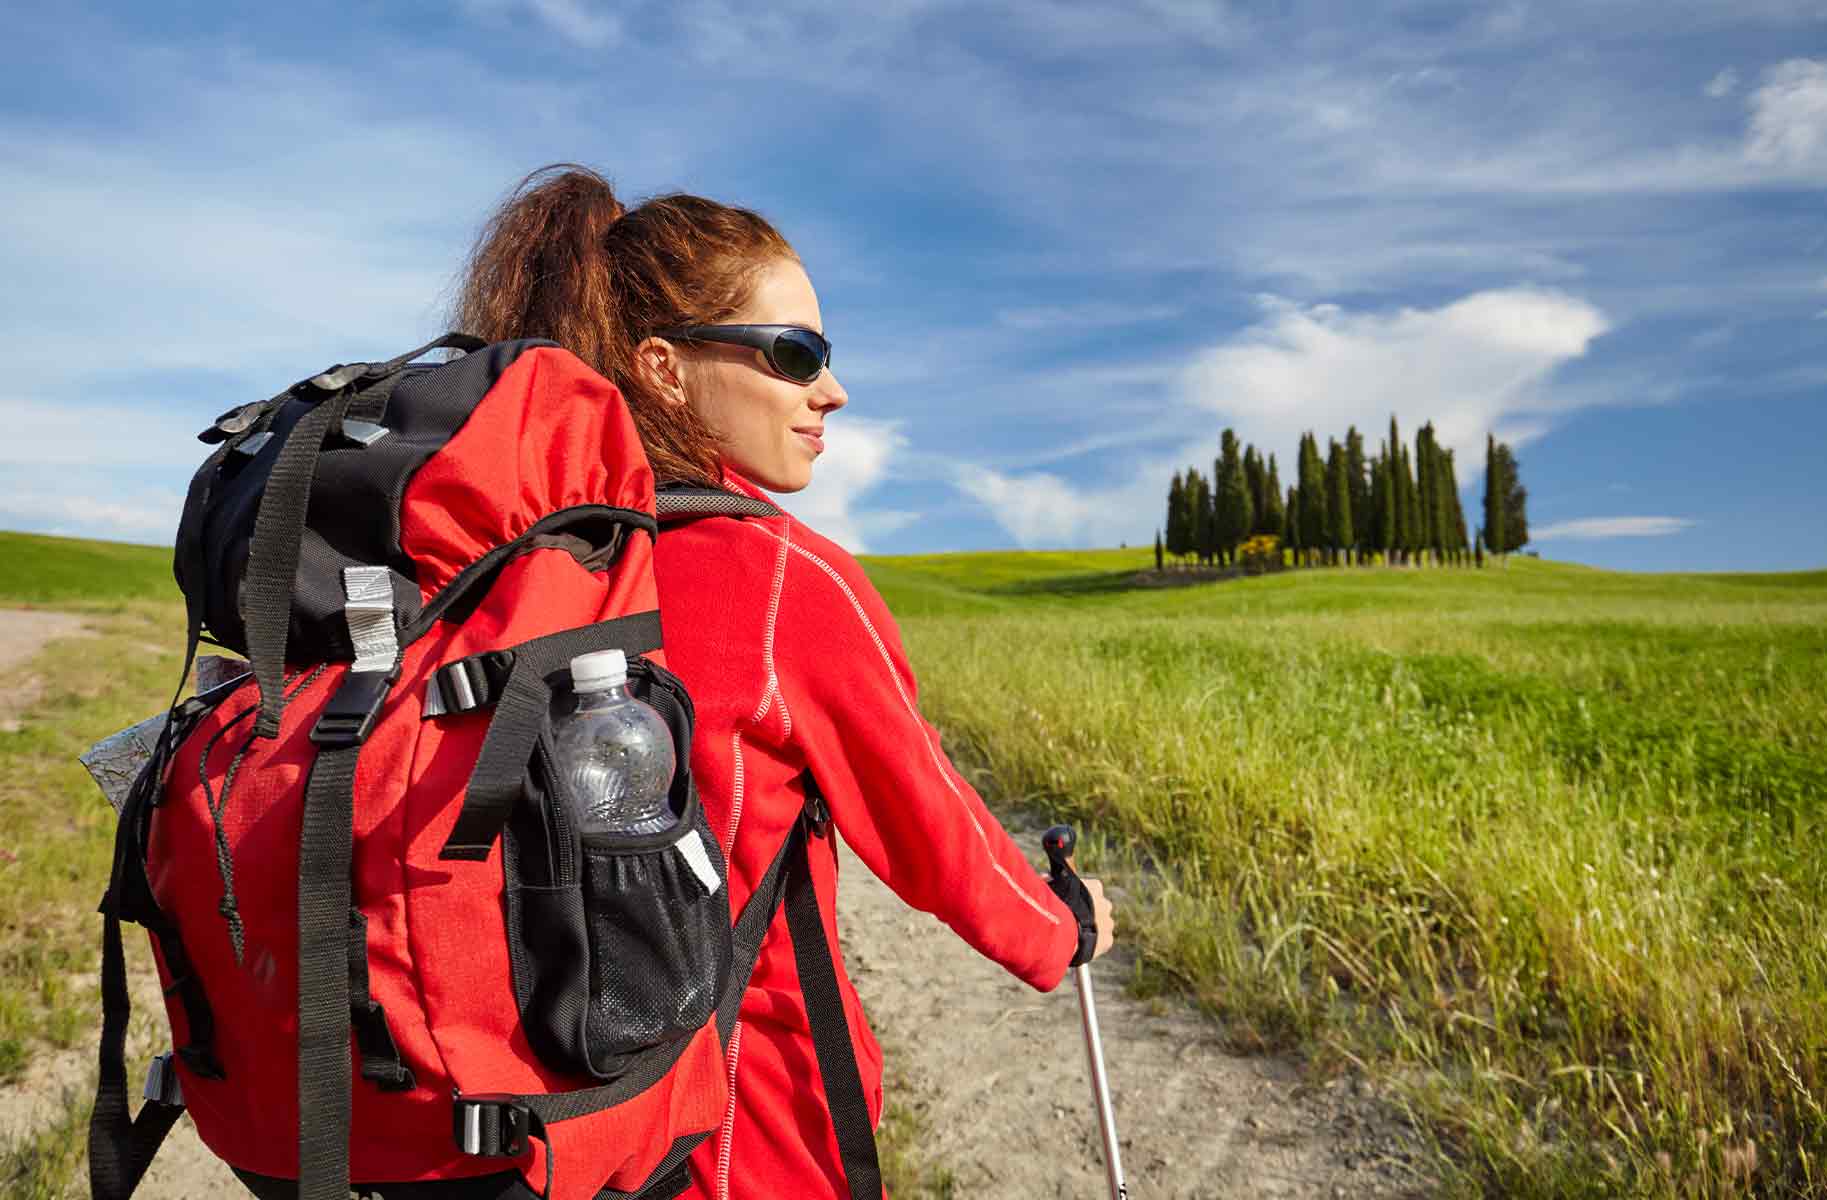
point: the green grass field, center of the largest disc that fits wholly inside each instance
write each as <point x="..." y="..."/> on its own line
<point x="1536" y="846"/>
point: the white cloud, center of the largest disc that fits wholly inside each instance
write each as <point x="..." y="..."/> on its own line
<point x="1043" y="510"/>
<point x="857" y="452"/>
<point x="1722" y="84"/>
<point x="1789" y="117"/>
<point x="1612" y="527"/>
<point x="1480" y="363"/>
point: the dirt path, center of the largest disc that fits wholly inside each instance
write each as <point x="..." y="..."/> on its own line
<point x="998" y="1078"/>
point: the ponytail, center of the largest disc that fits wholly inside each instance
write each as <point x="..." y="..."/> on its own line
<point x="563" y="259"/>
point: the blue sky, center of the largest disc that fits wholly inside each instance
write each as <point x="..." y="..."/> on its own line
<point x="1059" y="246"/>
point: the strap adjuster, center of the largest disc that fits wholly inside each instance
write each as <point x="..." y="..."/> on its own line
<point x="468" y="683"/>
<point x="349" y="717"/>
<point x="162" y="1082"/>
<point x="490" y="1125"/>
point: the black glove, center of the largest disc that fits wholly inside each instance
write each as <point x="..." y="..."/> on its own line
<point x="1077" y="897"/>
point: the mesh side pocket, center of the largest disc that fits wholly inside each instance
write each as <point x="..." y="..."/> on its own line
<point x="659" y="943"/>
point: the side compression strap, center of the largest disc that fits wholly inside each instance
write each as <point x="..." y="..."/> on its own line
<point x="494" y="785"/>
<point x="120" y="1146"/>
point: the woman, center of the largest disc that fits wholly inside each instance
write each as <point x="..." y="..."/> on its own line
<point x="791" y="657"/>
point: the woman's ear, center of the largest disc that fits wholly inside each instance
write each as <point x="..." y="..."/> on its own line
<point x="662" y="368"/>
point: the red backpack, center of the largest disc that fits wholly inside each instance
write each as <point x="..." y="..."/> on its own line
<point x="388" y="957"/>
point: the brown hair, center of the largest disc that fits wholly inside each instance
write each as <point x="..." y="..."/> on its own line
<point x="563" y="259"/>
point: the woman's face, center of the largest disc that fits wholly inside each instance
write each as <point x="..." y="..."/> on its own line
<point x="769" y="429"/>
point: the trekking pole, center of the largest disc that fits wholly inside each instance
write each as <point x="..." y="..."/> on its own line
<point x="1059" y="843"/>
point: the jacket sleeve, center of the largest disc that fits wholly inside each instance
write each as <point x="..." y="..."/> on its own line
<point x="894" y="795"/>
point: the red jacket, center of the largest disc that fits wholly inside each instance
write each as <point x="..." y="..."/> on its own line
<point x="793" y="662"/>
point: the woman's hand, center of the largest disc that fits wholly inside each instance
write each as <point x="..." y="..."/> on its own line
<point x="1101" y="912"/>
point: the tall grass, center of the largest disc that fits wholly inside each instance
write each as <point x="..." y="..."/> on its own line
<point x="1540" y="845"/>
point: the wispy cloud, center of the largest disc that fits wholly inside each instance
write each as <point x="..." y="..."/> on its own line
<point x="1722" y="85"/>
<point x="1789" y="118"/>
<point x="1611" y="527"/>
<point x="148" y="516"/>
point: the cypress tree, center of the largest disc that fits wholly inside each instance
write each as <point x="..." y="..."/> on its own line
<point x="1272" y="517"/>
<point x="1388" y="529"/>
<point x="1237" y="515"/>
<point x="1398" y="497"/>
<point x="1338" y="512"/>
<point x="1453" y="513"/>
<point x="1176" y="516"/>
<point x="1515" y="506"/>
<point x="1157" y="549"/>
<point x="1427" y="499"/>
<point x="1199" y="513"/>
<point x="1494" y="494"/>
<point x="1407" y="519"/>
<point x="1253" y="478"/>
<point x="1358" y="472"/>
<point x="1373" y="534"/>
<point x="1313" y="517"/>
<point x="1290" y="531"/>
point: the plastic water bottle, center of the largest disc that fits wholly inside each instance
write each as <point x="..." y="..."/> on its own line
<point x="615" y="752"/>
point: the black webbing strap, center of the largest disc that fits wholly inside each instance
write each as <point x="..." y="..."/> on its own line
<point x="324" y="1073"/>
<point x="520" y="713"/>
<point x="272" y="559"/>
<point x="831" y="1031"/>
<point x="380" y="1055"/>
<point x="120" y="1146"/>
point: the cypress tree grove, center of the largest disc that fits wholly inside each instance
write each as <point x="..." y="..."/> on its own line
<point x="1495" y="490"/>
<point x="1236" y="512"/>
<point x="1313" y="518"/>
<point x="1338" y="512"/>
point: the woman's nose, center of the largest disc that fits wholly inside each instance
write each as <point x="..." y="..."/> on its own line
<point x="828" y="393"/>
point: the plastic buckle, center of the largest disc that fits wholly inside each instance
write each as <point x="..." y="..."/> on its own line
<point x="162" y="1082"/>
<point x="490" y="1125"/>
<point x="348" y="718"/>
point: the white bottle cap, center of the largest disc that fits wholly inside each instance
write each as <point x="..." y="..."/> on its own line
<point x="598" y="670"/>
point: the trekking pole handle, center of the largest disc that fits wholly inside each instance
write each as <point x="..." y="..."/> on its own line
<point x="1059" y="842"/>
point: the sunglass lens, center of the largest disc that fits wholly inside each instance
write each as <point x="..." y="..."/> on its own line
<point x="800" y="354"/>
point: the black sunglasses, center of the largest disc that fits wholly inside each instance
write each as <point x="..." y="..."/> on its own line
<point x="795" y="352"/>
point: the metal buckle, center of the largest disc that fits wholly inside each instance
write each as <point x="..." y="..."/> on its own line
<point x="490" y="1125"/>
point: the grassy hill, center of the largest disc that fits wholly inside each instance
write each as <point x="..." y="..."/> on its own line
<point x="1537" y="847"/>
<point x="73" y="572"/>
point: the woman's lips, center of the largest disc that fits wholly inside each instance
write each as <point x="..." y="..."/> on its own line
<point x="814" y="437"/>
